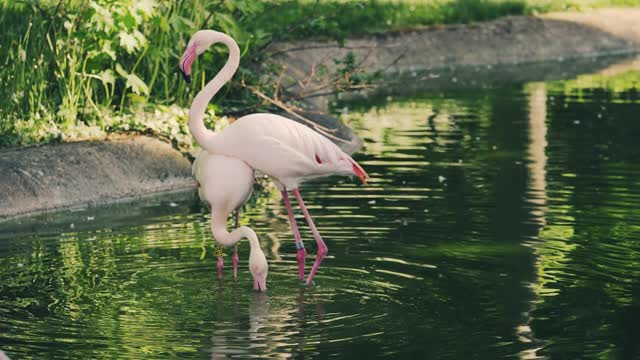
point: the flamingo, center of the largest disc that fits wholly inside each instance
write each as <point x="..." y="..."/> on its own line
<point x="288" y="152"/>
<point x="226" y="183"/>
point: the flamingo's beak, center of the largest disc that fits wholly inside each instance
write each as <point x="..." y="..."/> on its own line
<point x="260" y="284"/>
<point x="359" y="171"/>
<point x="186" y="77"/>
<point x="185" y="62"/>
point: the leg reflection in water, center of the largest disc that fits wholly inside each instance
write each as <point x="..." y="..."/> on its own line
<point x="274" y="326"/>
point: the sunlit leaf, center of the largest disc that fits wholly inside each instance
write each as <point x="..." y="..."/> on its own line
<point x="107" y="76"/>
<point x="106" y="49"/>
<point x="145" y="7"/>
<point x="121" y="71"/>
<point x="137" y="85"/>
<point x="128" y="41"/>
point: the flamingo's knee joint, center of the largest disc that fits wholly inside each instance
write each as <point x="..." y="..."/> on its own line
<point x="323" y="251"/>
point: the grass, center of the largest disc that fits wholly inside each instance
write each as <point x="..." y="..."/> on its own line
<point x="75" y="69"/>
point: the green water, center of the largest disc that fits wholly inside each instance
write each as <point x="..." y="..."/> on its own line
<point x="498" y="222"/>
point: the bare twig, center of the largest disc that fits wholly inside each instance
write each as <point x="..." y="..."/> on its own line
<point x="53" y="16"/>
<point x="216" y="7"/>
<point x="288" y="109"/>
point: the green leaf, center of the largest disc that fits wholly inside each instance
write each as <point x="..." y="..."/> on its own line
<point x="121" y="71"/>
<point x="128" y="41"/>
<point x="145" y="7"/>
<point x="107" y="76"/>
<point x="137" y="85"/>
<point x="106" y="49"/>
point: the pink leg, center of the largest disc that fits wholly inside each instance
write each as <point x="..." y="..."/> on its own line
<point x="220" y="267"/>
<point x="302" y="253"/>
<point x="235" y="250"/>
<point x="322" y="247"/>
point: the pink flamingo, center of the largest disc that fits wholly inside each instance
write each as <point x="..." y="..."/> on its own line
<point x="288" y="152"/>
<point x="226" y="183"/>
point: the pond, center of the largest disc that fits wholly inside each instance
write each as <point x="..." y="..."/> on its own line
<point x="499" y="222"/>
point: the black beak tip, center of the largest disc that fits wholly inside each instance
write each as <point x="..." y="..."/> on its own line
<point x="186" y="77"/>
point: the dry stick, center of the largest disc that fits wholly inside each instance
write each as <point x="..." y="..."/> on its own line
<point x="311" y="76"/>
<point x="53" y="16"/>
<point x="277" y="86"/>
<point x="275" y="101"/>
<point x="319" y="128"/>
<point x="204" y="23"/>
<point x="395" y="61"/>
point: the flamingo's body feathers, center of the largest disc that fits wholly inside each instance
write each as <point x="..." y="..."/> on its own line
<point x="225" y="183"/>
<point x="287" y="151"/>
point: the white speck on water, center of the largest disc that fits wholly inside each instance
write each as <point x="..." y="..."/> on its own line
<point x="172" y="204"/>
<point x="577" y="122"/>
<point x="403" y="182"/>
<point x="19" y="264"/>
<point x="441" y="178"/>
<point x="477" y="138"/>
<point x="91" y="218"/>
<point x="389" y="98"/>
<point x="454" y="79"/>
<point x="599" y="116"/>
<point x="404" y="222"/>
<point x="72" y="226"/>
<point x="372" y="202"/>
<point x="494" y="147"/>
<point x="426" y="210"/>
<point x="459" y="161"/>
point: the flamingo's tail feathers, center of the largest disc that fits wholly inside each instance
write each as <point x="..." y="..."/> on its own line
<point x="359" y="171"/>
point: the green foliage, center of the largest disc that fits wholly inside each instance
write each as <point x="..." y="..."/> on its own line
<point x="85" y="67"/>
<point x="71" y="67"/>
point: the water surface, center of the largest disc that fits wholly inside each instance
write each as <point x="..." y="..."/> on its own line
<point x="499" y="222"/>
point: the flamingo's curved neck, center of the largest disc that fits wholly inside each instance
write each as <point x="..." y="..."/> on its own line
<point x="226" y="238"/>
<point x="204" y="136"/>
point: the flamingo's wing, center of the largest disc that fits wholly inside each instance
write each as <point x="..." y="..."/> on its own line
<point x="280" y="160"/>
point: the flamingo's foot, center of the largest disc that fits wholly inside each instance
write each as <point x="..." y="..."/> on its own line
<point x="322" y="252"/>
<point x="301" y="257"/>
<point x="220" y="267"/>
<point x="235" y="265"/>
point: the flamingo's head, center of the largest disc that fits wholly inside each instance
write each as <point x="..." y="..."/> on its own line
<point x="199" y="43"/>
<point x="259" y="269"/>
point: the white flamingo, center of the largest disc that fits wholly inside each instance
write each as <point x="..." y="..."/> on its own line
<point x="226" y="184"/>
<point x="289" y="152"/>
